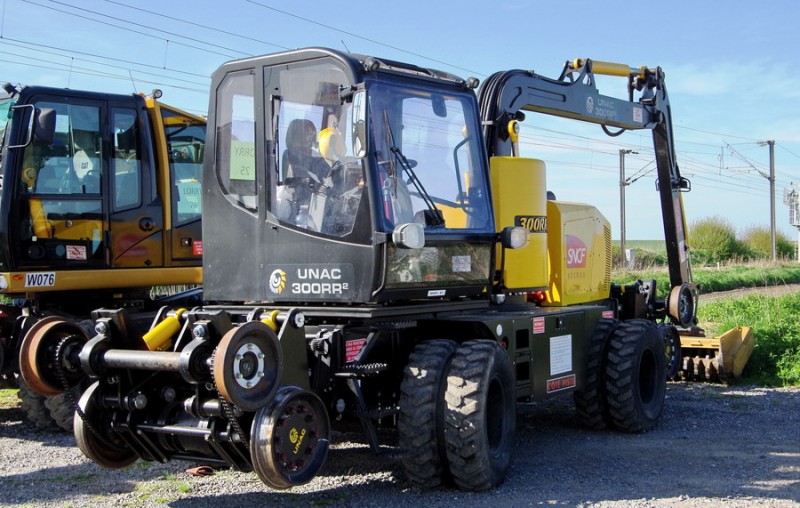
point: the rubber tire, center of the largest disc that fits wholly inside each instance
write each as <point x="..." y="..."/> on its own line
<point x="420" y="424"/>
<point x="480" y="417"/>
<point x="33" y="407"/>
<point x="636" y="380"/>
<point x="590" y="401"/>
<point x="62" y="408"/>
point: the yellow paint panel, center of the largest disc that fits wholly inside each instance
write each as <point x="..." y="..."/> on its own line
<point x="520" y="199"/>
<point x="65" y="280"/>
<point x="579" y="254"/>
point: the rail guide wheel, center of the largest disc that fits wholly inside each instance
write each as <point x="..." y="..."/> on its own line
<point x="247" y="365"/>
<point x="92" y="433"/>
<point x="289" y="438"/>
<point x="681" y="305"/>
<point x="50" y="340"/>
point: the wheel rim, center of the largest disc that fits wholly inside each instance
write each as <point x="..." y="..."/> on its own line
<point x="107" y="451"/>
<point x="247" y="365"/>
<point x="647" y="377"/>
<point x="495" y="416"/>
<point x="38" y="352"/>
<point x="290" y="438"/>
<point x="681" y="305"/>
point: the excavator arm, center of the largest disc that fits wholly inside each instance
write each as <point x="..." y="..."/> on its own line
<point x="505" y="95"/>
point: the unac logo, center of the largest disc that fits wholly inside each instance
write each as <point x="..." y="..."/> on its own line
<point x="277" y="281"/>
<point x="576" y="252"/>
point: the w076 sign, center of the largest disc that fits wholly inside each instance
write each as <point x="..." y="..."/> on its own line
<point x="40" y="280"/>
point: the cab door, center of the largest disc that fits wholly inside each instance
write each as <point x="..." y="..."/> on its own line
<point x="184" y="142"/>
<point x="136" y="233"/>
<point x="58" y="216"/>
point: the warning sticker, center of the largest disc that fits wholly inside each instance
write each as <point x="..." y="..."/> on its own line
<point x="537" y="324"/>
<point x="560" y="383"/>
<point x="197" y="247"/>
<point x="76" y="252"/>
<point x="352" y="348"/>
<point x="637" y="115"/>
<point x="608" y="314"/>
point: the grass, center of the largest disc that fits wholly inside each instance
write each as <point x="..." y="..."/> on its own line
<point x="724" y="278"/>
<point x="168" y="488"/>
<point x="776" y="357"/>
<point x="8" y="398"/>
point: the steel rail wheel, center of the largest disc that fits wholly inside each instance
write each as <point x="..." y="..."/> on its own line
<point x="247" y="365"/>
<point x="37" y="354"/>
<point x="681" y="305"/>
<point x="672" y="350"/>
<point x="289" y="438"/>
<point x="93" y="436"/>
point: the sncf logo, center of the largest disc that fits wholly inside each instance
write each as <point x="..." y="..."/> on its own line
<point x="576" y="252"/>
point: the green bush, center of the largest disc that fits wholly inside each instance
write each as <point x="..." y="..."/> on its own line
<point x="645" y="259"/>
<point x="714" y="239"/>
<point x="758" y="241"/>
<point x="776" y="357"/>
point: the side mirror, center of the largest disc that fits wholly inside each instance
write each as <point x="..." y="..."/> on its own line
<point x="359" y="126"/>
<point x="514" y="237"/>
<point x="409" y="236"/>
<point x="41" y="125"/>
<point x="44" y="126"/>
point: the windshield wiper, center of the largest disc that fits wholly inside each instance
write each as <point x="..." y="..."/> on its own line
<point x="433" y="216"/>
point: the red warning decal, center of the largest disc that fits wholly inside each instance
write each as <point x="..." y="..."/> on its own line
<point x="352" y="348"/>
<point x="560" y="383"/>
<point x="197" y="247"/>
<point x="537" y="324"/>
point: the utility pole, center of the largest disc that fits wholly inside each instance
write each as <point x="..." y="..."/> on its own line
<point x="622" y="184"/>
<point x="771" y="178"/>
<point x="772" y="233"/>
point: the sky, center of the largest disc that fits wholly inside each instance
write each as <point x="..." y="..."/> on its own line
<point x="731" y="68"/>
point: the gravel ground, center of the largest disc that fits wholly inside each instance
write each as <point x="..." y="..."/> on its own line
<point x="716" y="445"/>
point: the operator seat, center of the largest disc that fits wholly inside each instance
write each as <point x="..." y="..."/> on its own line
<point x="298" y="159"/>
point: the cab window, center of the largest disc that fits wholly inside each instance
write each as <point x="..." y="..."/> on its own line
<point x="236" y="142"/>
<point x="186" y="147"/>
<point x="126" y="162"/>
<point x="61" y="188"/>
<point x="319" y="183"/>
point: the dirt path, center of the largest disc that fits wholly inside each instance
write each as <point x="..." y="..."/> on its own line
<point x="784" y="289"/>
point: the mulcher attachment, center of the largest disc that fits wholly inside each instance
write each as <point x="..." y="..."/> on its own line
<point x="718" y="359"/>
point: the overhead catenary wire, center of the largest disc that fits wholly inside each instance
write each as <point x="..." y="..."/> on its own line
<point x="701" y="167"/>
<point x="227" y="55"/>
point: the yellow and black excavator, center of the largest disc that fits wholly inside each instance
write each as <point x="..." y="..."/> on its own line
<point x="100" y="202"/>
<point x="379" y="253"/>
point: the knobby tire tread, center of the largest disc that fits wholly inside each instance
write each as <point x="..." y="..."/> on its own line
<point x="420" y="423"/>
<point x="634" y="407"/>
<point x="474" y="464"/>
<point x="590" y="402"/>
